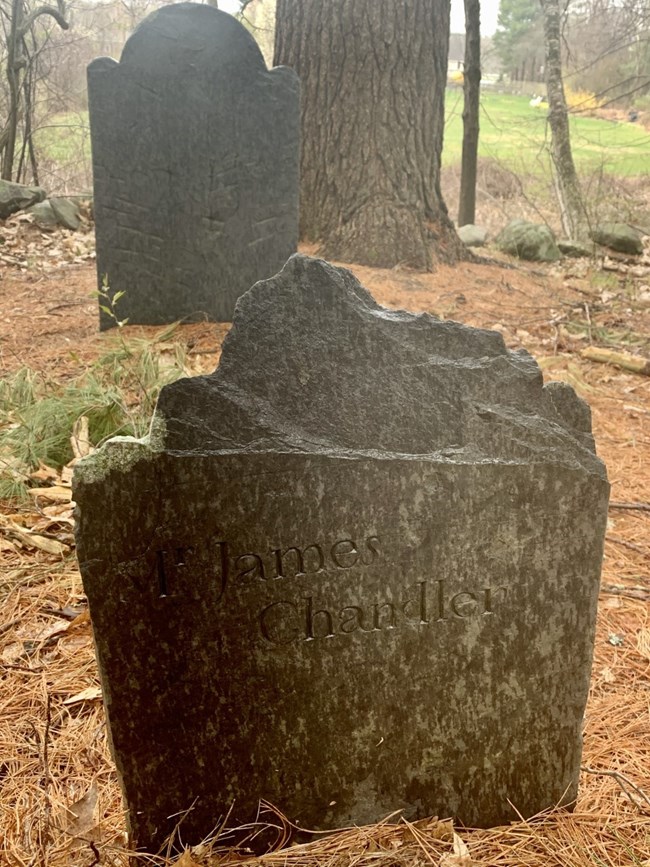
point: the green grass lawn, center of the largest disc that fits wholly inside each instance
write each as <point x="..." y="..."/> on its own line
<point x="512" y="132"/>
<point x="517" y="135"/>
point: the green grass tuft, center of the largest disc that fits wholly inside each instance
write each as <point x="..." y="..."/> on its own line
<point x="117" y="395"/>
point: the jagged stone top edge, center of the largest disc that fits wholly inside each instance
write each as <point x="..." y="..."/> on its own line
<point x="298" y="264"/>
<point x="128" y="452"/>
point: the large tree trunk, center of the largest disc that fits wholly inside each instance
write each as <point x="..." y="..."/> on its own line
<point x="471" y="98"/>
<point x="567" y="185"/>
<point x="373" y="76"/>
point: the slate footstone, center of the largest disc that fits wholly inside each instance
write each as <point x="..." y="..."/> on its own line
<point x="355" y="570"/>
<point x="195" y="161"/>
<point x="530" y="241"/>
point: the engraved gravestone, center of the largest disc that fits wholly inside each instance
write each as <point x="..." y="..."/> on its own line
<point x="353" y="571"/>
<point x="195" y="160"/>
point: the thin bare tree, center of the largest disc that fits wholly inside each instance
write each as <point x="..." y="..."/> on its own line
<point x="471" y="101"/>
<point x="23" y="37"/>
<point x="567" y="185"/>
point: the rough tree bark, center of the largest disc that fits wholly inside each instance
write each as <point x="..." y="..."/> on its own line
<point x="567" y="185"/>
<point x="471" y="98"/>
<point x="373" y="75"/>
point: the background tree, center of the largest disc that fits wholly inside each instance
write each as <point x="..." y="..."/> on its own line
<point x="259" y="17"/>
<point x="25" y="31"/>
<point x="607" y="49"/>
<point x="471" y="100"/>
<point x="518" y="38"/>
<point x="567" y="185"/>
<point x="373" y="76"/>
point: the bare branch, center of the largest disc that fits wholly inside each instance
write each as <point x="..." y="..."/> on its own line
<point x="638" y="797"/>
<point x="57" y="14"/>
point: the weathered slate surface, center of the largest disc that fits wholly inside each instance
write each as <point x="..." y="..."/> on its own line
<point x="355" y="570"/>
<point x="195" y="160"/>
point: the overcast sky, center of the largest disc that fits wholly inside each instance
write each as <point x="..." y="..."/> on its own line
<point x="489" y="12"/>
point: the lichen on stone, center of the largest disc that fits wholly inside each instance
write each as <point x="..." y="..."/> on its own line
<point x="120" y="454"/>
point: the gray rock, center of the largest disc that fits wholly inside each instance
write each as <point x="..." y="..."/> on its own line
<point x="619" y="237"/>
<point x="17" y="197"/>
<point x="473" y="236"/>
<point x="354" y="570"/>
<point x="44" y="215"/>
<point x="195" y="158"/>
<point x="56" y="211"/>
<point x="574" y="249"/>
<point x="67" y="213"/>
<point x="530" y="241"/>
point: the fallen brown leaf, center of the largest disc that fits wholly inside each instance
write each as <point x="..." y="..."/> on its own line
<point x="56" y="493"/>
<point x="80" y="439"/>
<point x="13" y="652"/>
<point x="43" y="543"/>
<point x="434" y="828"/>
<point x="186" y="860"/>
<point x="27" y="538"/>
<point x="51" y="630"/>
<point x="82" y="813"/>
<point x="61" y="511"/>
<point x="608" y="675"/>
<point x="91" y="693"/>
<point x="460" y="856"/>
<point x="80" y="619"/>
<point x="45" y="474"/>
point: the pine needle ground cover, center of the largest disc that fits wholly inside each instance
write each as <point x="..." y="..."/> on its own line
<point x="59" y="797"/>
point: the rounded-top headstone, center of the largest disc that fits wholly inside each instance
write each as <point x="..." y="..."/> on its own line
<point x="195" y="149"/>
<point x="185" y="36"/>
